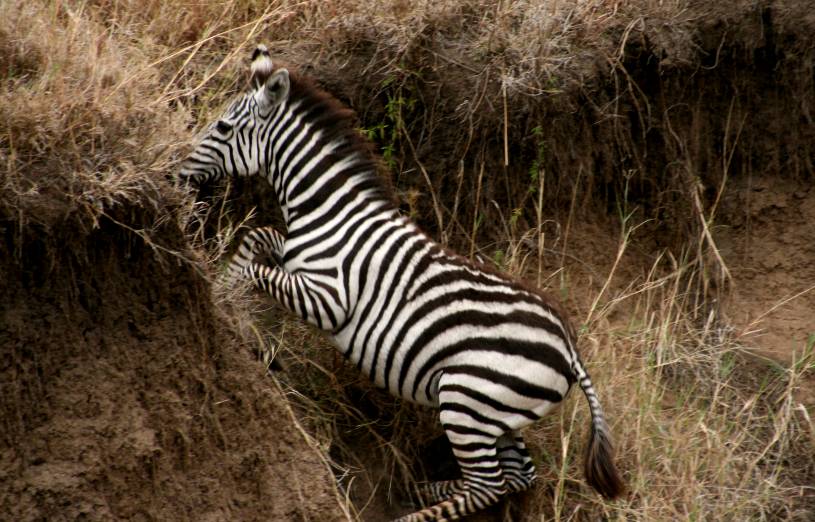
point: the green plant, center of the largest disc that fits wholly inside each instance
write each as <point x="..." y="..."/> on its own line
<point x="400" y="103"/>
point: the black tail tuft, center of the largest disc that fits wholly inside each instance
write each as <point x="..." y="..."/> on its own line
<point x="601" y="473"/>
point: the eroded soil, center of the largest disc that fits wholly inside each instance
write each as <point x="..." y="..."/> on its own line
<point x="768" y="244"/>
<point x="125" y="396"/>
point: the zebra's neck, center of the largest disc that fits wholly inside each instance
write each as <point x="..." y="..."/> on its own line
<point x="335" y="194"/>
<point x="319" y="164"/>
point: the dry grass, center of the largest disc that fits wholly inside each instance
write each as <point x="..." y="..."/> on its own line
<point x="99" y="98"/>
<point x="72" y="145"/>
<point x="704" y="430"/>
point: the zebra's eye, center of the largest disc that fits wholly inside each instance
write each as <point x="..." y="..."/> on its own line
<point x="223" y="127"/>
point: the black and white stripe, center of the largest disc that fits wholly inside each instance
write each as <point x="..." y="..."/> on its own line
<point x="492" y="354"/>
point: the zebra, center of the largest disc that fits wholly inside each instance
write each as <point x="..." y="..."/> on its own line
<point x="491" y="353"/>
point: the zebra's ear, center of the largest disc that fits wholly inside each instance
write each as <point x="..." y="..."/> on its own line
<point x="275" y="91"/>
<point x="261" y="67"/>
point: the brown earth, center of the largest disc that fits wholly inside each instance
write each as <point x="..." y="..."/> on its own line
<point x="768" y="244"/>
<point x="126" y="395"/>
<point x="767" y="240"/>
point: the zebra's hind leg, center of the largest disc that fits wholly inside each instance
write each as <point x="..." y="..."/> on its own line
<point x="474" y="444"/>
<point x="433" y="492"/>
<point x="454" y="499"/>
<point x="261" y="241"/>
<point x="515" y="462"/>
<point x="517" y="465"/>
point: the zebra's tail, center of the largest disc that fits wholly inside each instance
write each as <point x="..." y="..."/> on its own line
<point x="601" y="473"/>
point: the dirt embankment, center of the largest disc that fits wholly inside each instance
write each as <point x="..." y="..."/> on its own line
<point x="769" y="245"/>
<point x="125" y="393"/>
<point x="695" y="116"/>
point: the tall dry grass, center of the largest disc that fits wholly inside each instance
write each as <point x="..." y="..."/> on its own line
<point x="100" y="99"/>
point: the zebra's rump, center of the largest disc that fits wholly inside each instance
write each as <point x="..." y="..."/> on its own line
<point x="498" y="348"/>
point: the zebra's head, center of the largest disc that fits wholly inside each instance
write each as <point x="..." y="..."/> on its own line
<point x="230" y="146"/>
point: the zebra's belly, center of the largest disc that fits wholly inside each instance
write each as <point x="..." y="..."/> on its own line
<point x="409" y="332"/>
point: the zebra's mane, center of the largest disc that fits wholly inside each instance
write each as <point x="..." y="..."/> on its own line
<point x="339" y="122"/>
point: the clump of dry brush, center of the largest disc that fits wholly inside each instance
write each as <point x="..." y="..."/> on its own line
<point x="80" y="135"/>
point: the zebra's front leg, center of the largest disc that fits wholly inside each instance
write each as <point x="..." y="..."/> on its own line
<point x="301" y="294"/>
<point x="261" y="241"/>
